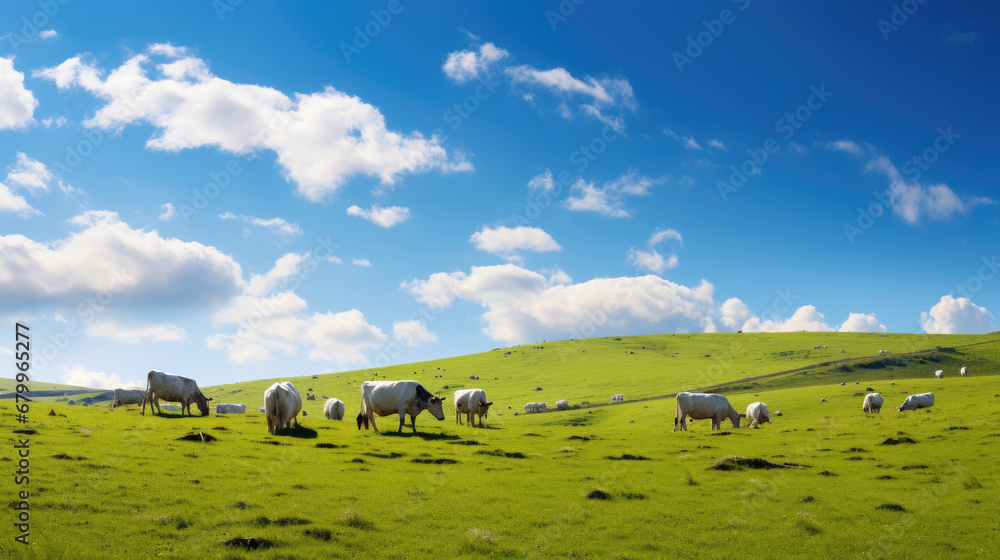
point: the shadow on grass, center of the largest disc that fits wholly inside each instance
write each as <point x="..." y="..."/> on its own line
<point x="422" y="435"/>
<point x="297" y="431"/>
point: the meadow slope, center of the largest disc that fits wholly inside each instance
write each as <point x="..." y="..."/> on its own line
<point x="608" y="481"/>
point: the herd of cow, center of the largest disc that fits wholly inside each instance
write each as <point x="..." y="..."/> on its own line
<point x="282" y="403"/>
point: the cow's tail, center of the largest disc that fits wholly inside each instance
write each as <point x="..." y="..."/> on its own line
<point x="677" y="415"/>
<point x="271" y="410"/>
<point x="146" y="396"/>
<point x="363" y="410"/>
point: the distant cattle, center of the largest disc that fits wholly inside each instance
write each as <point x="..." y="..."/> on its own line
<point x="475" y="377"/>
<point x="230" y="408"/>
<point x="913" y="402"/>
<point x="127" y="396"/>
<point x="869" y="389"/>
<point x="757" y="414"/>
<point x="538" y="388"/>
<point x="562" y="404"/>
<point x="334" y="409"/>
<point x="703" y="405"/>
<point x="535" y="407"/>
<point x="883" y="352"/>
<point x="618" y="398"/>
<point x="471" y="402"/>
<point x="823" y="399"/>
<point x="842" y="384"/>
<point x="282" y="403"/>
<point x="778" y="413"/>
<point x="964" y="372"/>
<point x="939" y="374"/>
<point x="872" y="403"/>
<point x="173" y="388"/>
<point x="397" y="397"/>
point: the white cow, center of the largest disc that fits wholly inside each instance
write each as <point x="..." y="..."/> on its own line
<point x="127" y="396"/>
<point x="282" y="404"/>
<point x="397" y="397"/>
<point x="939" y="374"/>
<point x="334" y="409"/>
<point x="872" y="403"/>
<point x="964" y="371"/>
<point x="618" y="398"/>
<point x="757" y="414"/>
<point x="173" y="388"/>
<point x="230" y="408"/>
<point x="703" y="405"/>
<point x="883" y="352"/>
<point x="562" y="404"/>
<point x="471" y="402"/>
<point x="913" y="402"/>
<point x="536" y="407"/>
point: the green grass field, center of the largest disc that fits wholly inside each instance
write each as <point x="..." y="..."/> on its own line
<point x="599" y="481"/>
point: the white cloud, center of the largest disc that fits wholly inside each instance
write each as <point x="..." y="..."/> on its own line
<point x="168" y="211"/>
<point x="284" y="268"/>
<point x="608" y="199"/>
<point x="542" y="183"/>
<point x="277" y="226"/>
<point x="602" y="97"/>
<point x="913" y="201"/>
<point x="381" y="216"/>
<point x="660" y="235"/>
<point x="506" y="242"/>
<point x="80" y="377"/>
<point x="6" y="351"/>
<point x="54" y="122"/>
<point x="30" y="174"/>
<point x="521" y="305"/>
<point x="717" y="144"/>
<point x="361" y="262"/>
<point x="651" y="259"/>
<point x="862" y="322"/>
<point x="132" y="332"/>
<point x="806" y="318"/>
<point x="109" y="258"/>
<point x="953" y="315"/>
<point x="412" y="333"/>
<point x="17" y="103"/>
<point x="465" y="66"/>
<point x="848" y="146"/>
<point x="734" y="313"/>
<point x="15" y="203"/>
<point x="48" y="34"/>
<point x="689" y="142"/>
<point x="321" y="139"/>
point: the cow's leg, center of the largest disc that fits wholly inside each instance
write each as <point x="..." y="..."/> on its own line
<point x="402" y="419"/>
<point x="371" y="418"/>
<point x="413" y="422"/>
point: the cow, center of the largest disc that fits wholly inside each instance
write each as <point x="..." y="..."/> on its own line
<point x="883" y="352"/>
<point x="474" y="377"/>
<point x="282" y="403"/>
<point x="913" y="402"/>
<point x="173" y="388"/>
<point x="127" y="396"/>
<point x="618" y="398"/>
<point x="397" y="397"/>
<point x="562" y="404"/>
<point x="230" y="408"/>
<point x="939" y="374"/>
<point x="757" y="414"/>
<point x="778" y="413"/>
<point x="536" y="407"/>
<point x="872" y="403"/>
<point x="703" y="405"/>
<point x="471" y="402"/>
<point x="334" y="409"/>
<point x="964" y="372"/>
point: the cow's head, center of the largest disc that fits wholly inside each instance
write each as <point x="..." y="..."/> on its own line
<point x="436" y="407"/>
<point x="202" y="403"/>
<point x="485" y="408"/>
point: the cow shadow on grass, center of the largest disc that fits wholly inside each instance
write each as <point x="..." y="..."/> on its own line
<point x="423" y="436"/>
<point x="297" y="431"/>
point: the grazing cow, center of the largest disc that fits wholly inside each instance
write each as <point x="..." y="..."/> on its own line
<point x="823" y="399"/>
<point x="475" y="377"/>
<point x="872" y="403"/>
<point x="562" y="404"/>
<point x="471" y="402"/>
<point x="535" y="407"/>
<point x="913" y="402"/>
<point x="842" y="383"/>
<point x="703" y="405"/>
<point x="757" y="414"/>
<point x="778" y="413"/>
<point x="173" y="388"/>
<point x="883" y="352"/>
<point x="127" y="396"/>
<point x="230" y="408"/>
<point x="964" y="372"/>
<point x="334" y="409"/>
<point x="939" y="374"/>
<point x="282" y="403"/>
<point x="397" y="397"/>
<point x="618" y="398"/>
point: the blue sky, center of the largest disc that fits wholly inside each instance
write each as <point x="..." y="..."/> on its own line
<point x="259" y="190"/>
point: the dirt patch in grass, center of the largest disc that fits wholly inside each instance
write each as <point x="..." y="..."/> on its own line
<point x="507" y="454"/>
<point x="436" y="461"/>
<point x="357" y="460"/>
<point x="894" y="441"/>
<point x="68" y="458"/>
<point x="540" y="435"/>
<point x="599" y="495"/>
<point x="465" y="442"/>
<point x="855" y="450"/>
<point x="720" y="433"/>
<point x="828" y="473"/>
<point x="914" y="467"/>
<point x="807" y="499"/>
<point x="891" y="507"/>
<point x="392" y="455"/>
<point x="223" y="428"/>
<point x="249" y="543"/>
<point x="958" y="428"/>
<point x="200" y="437"/>
<point x="272" y="442"/>
<point x="329" y="446"/>
<point x="581" y="438"/>
<point x="885" y="477"/>
<point x="31" y="431"/>
<point x="855" y="458"/>
<point x="633" y="496"/>
<point x="627" y="457"/>
<point x="280" y="522"/>
<point x="321" y="534"/>
<point x="736" y="463"/>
